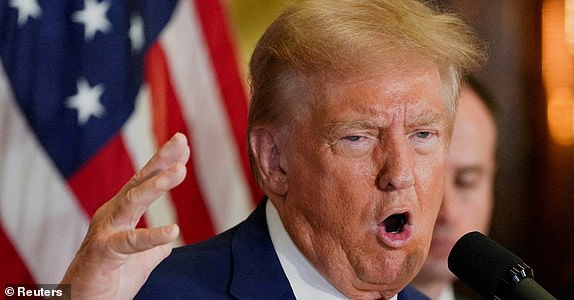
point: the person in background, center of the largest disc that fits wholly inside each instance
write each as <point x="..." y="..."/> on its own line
<point x="469" y="195"/>
<point x="352" y="109"/>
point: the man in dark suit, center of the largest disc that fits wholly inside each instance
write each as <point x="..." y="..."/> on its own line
<point x="233" y="264"/>
<point x="352" y="108"/>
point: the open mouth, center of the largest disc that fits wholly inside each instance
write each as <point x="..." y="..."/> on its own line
<point x="396" y="230"/>
<point x="395" y="223"/>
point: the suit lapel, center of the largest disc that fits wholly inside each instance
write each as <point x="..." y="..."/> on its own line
<point x="410" y="293"/>
<point x="256" y="267"/>
<point x="257" y="272"/>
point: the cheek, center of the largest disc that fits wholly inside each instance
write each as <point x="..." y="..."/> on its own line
<point x="430" y="191"/>
<point x="430" y="178"/>
<point x="317" y="167"/>
<point x="313" y="178"/>
<point x="333" y="189"/>
<point x="333" y="195"/>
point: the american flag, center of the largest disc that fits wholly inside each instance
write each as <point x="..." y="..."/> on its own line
<point x="88" y="90"/>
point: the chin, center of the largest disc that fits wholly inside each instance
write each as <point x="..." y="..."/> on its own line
<point x="405" y="267"/>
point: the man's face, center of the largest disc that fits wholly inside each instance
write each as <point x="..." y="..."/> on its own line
<point x="468" y="200"/>
<point x="365" y="176"/>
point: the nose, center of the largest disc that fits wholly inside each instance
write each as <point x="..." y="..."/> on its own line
<point x="397" y="172"/>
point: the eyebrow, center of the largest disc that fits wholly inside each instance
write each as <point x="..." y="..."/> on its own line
<point x="334" y="129"/>
<point x="428" y="117"/>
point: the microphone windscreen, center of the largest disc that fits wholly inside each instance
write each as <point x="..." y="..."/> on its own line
<point x="480" y="262"/>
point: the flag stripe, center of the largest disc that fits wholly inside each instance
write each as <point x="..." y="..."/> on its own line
<point x="94" y="184"/>
<point x="215" y="151"/>
<point x="188" y="199"/>
<point x="11" y="261"/>
<point x="140" y="142"/>
<point x="224" y="62"/>
<point x="38" y="212"/>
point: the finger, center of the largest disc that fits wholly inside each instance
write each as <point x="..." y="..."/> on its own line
<point x="173" y="151"/>
<point x="129" y="208"/>
<point x="139" y="240"/>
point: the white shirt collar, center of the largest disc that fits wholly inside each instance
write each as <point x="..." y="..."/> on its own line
<point x="447" y="293"/>
<point x="305" y="280"/>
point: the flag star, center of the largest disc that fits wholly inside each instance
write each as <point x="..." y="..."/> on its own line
<point x="26" y="9"/>
<point x="137" y="36"/>
<point x="87" y="101"/>
<point x="93" y="16"/>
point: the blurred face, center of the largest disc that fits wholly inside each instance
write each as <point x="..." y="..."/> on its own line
<point x="468" y="197"/>
<point x="358" y="180"/>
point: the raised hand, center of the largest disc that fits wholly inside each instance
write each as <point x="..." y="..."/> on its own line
<point x="115" y="258"/>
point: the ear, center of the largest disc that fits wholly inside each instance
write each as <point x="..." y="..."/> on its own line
<point x="267" y="155"/>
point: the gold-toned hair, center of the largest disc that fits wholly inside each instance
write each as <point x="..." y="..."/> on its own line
<point x="335" y="40"/>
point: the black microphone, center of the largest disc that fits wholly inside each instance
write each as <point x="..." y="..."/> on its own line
<point x="493" y="271"/>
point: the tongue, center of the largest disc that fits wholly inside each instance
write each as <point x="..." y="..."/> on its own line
<point x="394" y="223"/>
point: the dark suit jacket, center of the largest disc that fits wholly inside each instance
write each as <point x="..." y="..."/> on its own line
<point x="240" y="263"/>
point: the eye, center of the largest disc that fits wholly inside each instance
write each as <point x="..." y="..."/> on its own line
<point x="423" y="134"/>
<point x="425" y="141"/>
<point x="423" y="137"/>
<point x="354" y="145"/>
<point x="353" y="138"/>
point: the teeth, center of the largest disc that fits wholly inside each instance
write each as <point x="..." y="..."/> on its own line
<point x="395" y="223"/>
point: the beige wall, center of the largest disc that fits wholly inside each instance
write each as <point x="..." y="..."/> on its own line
<point x="249" y="19"/>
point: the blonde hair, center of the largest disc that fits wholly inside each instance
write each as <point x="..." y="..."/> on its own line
<point x="334" y="40"/>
